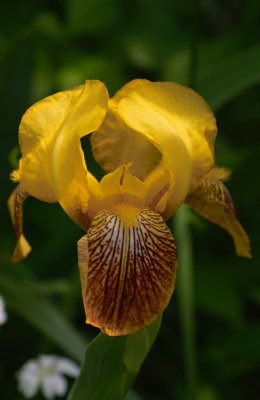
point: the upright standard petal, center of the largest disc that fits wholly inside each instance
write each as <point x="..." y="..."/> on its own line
<point x="53" y="167"/>
<point x="212" y="200"/>
<point x="38" y="130"/>
<point x="127" y="270"/>
<point x="68" y="167"/>
<point x="161" y="112"/>
<point x="15" y="206"/>
<point x="115" y="143"/>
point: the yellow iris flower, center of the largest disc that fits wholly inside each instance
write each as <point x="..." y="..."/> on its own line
<point x="155" y="141"/>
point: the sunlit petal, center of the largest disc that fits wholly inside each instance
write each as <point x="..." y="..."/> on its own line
<point x="15" y="206"/>
<point x="120" y="186"/>
<point x="213" y="201"/>
<point x="167" y="106"/>
<point x="53" y="166"/>
<point x="163" y="113"/>
<point x="94" y="195"/>
<point x="127" y="272"/>
<point x="38" y="130"/>
<point x="158" y="190"/>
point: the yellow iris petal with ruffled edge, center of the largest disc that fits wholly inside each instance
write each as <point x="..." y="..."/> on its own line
<point x="155" y="141"/>
<point x="180" y="124"/>
<point x="53" y="166"/>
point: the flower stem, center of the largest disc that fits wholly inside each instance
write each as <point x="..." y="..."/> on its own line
<point x="185" y="293"/>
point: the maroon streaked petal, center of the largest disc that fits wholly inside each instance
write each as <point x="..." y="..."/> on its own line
<point x="15" y="205"/>
<point x="213" y="201"/>
<point x="127" y="273"/>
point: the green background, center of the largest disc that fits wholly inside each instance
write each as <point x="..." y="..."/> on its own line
<point x="213" y="46"/>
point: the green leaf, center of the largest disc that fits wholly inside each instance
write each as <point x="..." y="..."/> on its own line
<point x="112" y="363"/>
<point x="24" y="300"/>
<point x="139" y="344"/>
<point x="228" y="78"/>
<point x="137" y="347"/>
<point x="102" y="374"/>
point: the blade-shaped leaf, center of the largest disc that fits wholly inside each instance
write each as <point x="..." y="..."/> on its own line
<point x="137" y="347"/>
<point x="24" y="300"/>
<point x="112" y="363"/>
<point x="102" y="374"/>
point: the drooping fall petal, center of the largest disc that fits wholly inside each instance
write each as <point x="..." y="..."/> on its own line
<point x="52" y="166"/>
<point x="15" y="205"/>
<point x="127" y="271"/>
<point x="212" y="200"/>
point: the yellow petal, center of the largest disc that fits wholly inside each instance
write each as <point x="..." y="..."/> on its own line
<point x="174" y="119"/>
<point x="220" y="173"/>
<point x="115" y="144"/>
<point x="22" y="249"/>
<point x="177" y="108"/>
<point x="127" y="272"/>
<point x="15" y="205"/>
<point x="213" y="201"/>
<point x="38" y="130"/>
<point x="121" y="187"/>
<point x="53" y="166"/>
<point x="158" y="190"/>
<point x="128" y="87"/>
<point x="94" y="195"/>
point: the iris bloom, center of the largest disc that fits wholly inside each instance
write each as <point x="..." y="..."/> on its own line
<point x="155" y="141"/>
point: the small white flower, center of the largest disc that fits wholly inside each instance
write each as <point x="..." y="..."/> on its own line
<point x="45" y="373"/>
<point x="3" y="315"/>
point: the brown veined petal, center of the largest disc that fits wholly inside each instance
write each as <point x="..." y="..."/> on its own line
<point x="53" y="166"/>
<point x="115" y="144"/>
<point x="212" y="200"/>
<point x="127" y="272"/>
<point x="15" y="205"/>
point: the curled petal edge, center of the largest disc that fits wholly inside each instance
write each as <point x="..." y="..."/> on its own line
<point x="212" y="200"/>
<point x="15" y="206"/>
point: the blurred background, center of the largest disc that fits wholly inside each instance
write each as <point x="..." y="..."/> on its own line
<point x="210" y="45"/>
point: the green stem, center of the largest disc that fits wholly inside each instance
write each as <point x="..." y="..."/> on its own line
<point x="185" y="293"/>
<point x="185" y="280"/>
